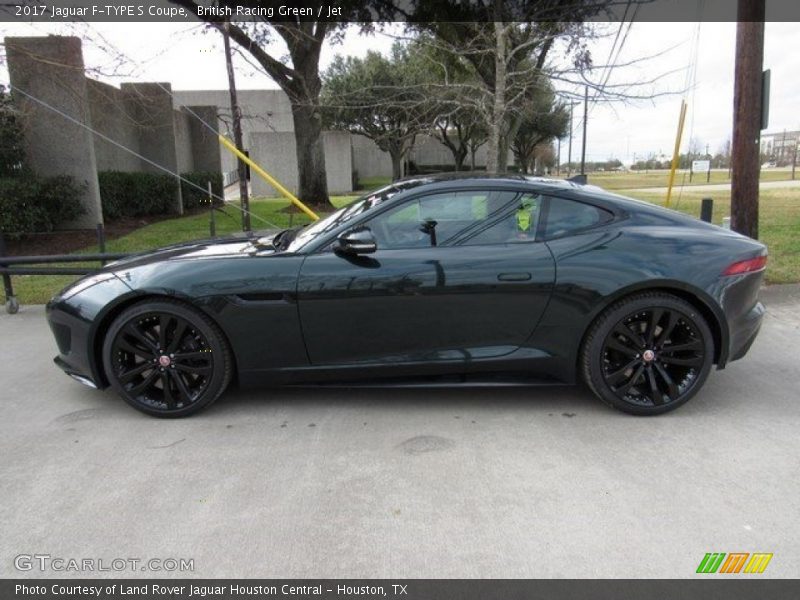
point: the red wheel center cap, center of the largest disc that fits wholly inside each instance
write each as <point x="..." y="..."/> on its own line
<point x="164" y="360"/>
<point x="648" y="355"/>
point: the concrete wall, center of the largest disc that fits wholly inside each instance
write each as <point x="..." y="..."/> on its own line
<point x="429" y="150"/>
<point x="152" y="108"/>
<point x="51" y="68"/>
<point x="276" y="153"/>
<point x="110" y="116"/>
<point x="368" y="159"/>
<point x="206" y="149"/>
<point x="183" y="141"/>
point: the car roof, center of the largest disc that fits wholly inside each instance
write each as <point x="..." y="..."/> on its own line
<point x="477" y="177"/>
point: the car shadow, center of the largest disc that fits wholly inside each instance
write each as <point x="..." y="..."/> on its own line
<point x="559" y="399"/>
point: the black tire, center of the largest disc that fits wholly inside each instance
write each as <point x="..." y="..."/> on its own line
<point x="166" y="359"/>
<point x="647" y="354"/>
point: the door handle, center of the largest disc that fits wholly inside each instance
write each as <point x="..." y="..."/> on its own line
<point x="514" y="277"/>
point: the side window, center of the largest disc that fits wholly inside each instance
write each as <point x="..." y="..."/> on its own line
<point x="518" y="225"/>
<point x="565" y="216"/>
<point x="448" y="214"/>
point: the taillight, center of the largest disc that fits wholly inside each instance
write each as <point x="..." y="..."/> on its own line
<point x="746" y="266"/>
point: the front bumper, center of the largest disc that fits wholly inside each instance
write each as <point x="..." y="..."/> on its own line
<point x="72" y="335"/>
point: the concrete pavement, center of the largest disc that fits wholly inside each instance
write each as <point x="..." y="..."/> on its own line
<point x="449" y="483"/>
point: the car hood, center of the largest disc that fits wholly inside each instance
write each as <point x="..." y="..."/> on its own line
<point x="232" y="246"/>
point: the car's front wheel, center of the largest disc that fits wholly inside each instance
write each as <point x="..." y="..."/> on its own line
<point x="166" y="359"/>
<point x="647" y="354"/>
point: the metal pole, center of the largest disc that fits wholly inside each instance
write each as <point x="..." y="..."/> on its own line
<point x="212" y="223"/>
<point x="794" y="158"/>
<point x="12" y="305"/>
<point x="569" y="147"/>
<point x="558" y="162"/>
<point x="585" y="119"/>
<point x="676" y="152"/>
<point x="101" y="241"/>
<point x="706" y="209"/>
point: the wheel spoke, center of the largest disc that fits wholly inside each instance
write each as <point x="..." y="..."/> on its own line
<point x="672" y="320"/>
<point x="614" y="344"/>
<point x="655" y="317"/>
<point x="694" y="361"/>
<point x="177" y="337"/>
<point x="672" y="389"/>
<point x="126" y="376"/>
<point x="144" y="383"/>
<point x="634" y="338"/>
<point x="619" y="375"/>
<point x="206" y="356"/>
<point x="168" y="397"/>
<point x="182" y="388"/>
<point x="163" y="325"/>
<point x="205" y="371"/>
<point x="691" y="345"/>
<point x="655" y="393"/>
<point x="123" y="344"/>
<point x="140" y="337"/>
<point x="634" y="377"/>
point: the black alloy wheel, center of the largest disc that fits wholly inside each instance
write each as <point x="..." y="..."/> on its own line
<point x="648" y="354"/>
<point x="166" y="359"/>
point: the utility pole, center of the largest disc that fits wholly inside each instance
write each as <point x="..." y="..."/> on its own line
<point x="747" y="116"/>
<point x="585" y="119"/>
<point x="558" y="162"/>
<point x="569" y="148"/>
<point x="236" y="113"/>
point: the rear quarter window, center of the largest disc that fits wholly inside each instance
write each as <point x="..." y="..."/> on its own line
<point x="570" y="216"/>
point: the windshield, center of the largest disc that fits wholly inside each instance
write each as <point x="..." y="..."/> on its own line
<point x="346" y="213"/>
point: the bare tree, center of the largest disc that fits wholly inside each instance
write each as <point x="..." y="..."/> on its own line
<point x="298" y="76"/>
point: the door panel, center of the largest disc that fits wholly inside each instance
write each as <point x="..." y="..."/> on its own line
<point x="431" y="303"/>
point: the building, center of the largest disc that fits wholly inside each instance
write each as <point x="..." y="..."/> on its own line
<point x="781" y="147"/>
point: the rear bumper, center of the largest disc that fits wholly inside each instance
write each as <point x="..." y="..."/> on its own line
<point x="743" y="331"/>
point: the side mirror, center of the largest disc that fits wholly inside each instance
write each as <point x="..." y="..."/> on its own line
<point x="357" y="241"/>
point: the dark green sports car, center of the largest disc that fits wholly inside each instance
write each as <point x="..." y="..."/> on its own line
<point x="430" y="281"/>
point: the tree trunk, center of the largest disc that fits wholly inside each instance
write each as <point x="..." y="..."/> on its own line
<point x="311" y="177"/>
<point x="505" y="143"/>
<point x="236" y="113"/>
<point x="458" y="158"/>
<point x="499" y="107"/>
<point x="397" y="163"/>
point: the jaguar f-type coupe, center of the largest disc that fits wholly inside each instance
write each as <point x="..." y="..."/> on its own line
<point x="428" y="282"/>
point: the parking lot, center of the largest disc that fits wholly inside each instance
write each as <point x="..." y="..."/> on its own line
<point x="544" y="482"/>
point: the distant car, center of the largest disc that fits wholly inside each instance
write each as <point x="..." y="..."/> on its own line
<point x="431" y="281"/>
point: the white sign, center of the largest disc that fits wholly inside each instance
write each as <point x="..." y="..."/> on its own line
<point x="699" y="166"/>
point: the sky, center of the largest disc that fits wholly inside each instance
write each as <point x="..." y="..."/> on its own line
<point x="690" y="60"/>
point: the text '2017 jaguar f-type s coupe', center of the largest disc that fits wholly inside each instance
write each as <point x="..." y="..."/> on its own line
<point x="430" y="281"/>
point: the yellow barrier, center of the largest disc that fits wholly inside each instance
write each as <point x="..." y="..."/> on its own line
<point x="267" y="177"/>
<point x="676" y="153"/>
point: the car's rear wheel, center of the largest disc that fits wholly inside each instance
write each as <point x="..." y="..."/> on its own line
<point x="647" y="354"/>
<point x="166" y="359"/>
